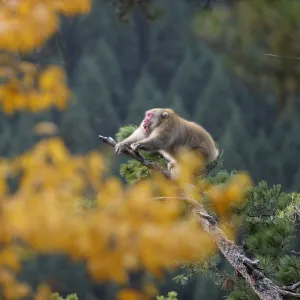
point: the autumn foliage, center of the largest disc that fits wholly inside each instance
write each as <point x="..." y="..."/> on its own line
<point x="136" y="227"/>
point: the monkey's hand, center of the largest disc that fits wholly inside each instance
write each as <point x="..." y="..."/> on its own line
<point x="120" y="147"/>
<point x="136" y="146"/>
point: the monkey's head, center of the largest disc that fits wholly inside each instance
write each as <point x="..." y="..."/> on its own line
<point x="154" y="117"/>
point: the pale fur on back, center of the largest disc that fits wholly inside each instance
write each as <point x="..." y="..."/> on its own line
<point x="195" y="136"/>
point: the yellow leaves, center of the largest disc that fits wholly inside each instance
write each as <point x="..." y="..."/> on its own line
<point x="130" y="229"/>
<point x="5" y="172"/>
<point x="49" y="78"/>
<point x="45" y="128"/>
<point x="26" y="89"/>
<point x="26" y="24"/>
<point x="11" y="288"/>
<point x="3" y="186"/>
<point x="9" y="257"/>
<point x="71" y="7"/>
<point x="226" y="196"/>
<point x="111" y="193"/>
<point x="57" y="151"/>
<point x="43" y="293"/>
<point x="189" y="163"/>
<point x="130" y="294"/>
<point x="51" y="85"/>
<point x="50" y="166"/>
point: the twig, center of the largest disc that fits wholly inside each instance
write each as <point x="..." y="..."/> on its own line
<point x="190" y="201"/>
<point x="291" y="287"/>
<point x="292" y="294"/>
<point x="262" y="286"/>
<point x="284" y="57"/>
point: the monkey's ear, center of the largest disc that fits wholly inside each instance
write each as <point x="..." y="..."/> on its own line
<point x="165" y="115"/>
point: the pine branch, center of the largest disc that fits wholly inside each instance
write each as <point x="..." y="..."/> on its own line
<point x="262" y="286"/>
<point x="153" y="166"/>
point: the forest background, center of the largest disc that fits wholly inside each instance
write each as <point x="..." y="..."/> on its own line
<point x="118" y="70"/>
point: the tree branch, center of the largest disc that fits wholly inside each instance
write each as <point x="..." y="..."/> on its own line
<point x="291" y="287"/>
<point x="284" y="57"/>
<point x="262" y="286"/>
<point x="153" y="166"/>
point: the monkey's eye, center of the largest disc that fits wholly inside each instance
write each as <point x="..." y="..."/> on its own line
<point x="164" y="115"/>
<point x="149" y="115"/>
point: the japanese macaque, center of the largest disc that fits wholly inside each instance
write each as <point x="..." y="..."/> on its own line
<point x="164" y="131"/>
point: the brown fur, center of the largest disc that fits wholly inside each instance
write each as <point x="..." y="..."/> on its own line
<point x="168" y="133"/>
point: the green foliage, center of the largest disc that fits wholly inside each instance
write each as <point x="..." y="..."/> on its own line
<point x="207" y="268"/>
<point x="268" y="230"/>
<point x="221" y="177"/>
<point x="171" y="296"/>
<point x="133" y="170"/>
<point x="75" y="128"/>
<point x="145" y="95"/>
<point x="289" y="270"/>
<point x="56" y="296"/>
<point x="125" y="132"/>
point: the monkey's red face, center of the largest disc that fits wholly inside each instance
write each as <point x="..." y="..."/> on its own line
<point x="147" y="122"/>
<point x="154" y="118"/>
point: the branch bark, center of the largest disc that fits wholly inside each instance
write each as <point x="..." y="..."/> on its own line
<point x="264" y="287"/>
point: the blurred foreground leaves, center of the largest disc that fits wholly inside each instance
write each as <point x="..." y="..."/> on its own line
<point x="42" y="191"/>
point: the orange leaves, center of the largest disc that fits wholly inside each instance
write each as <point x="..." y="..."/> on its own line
<point x="51" y="83"/>
<point x="26" y="24"/>
<point x="226" y="196"/>
<point x="11" y="288"/>
<point x="189" y="163"/>
<point x="26" y="89"/>
<point x="128" y="230"/>
<point x="49" y="166"/>
<point x="70" y="8"/>
<point x="131" y="228"/>
<point x="130" y="294"/>
<point x="9" y="257"/>
<point x="45" y="128"/>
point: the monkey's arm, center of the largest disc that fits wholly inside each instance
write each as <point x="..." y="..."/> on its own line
<point x="156" y="141"/>
<point x="137" y="135"/>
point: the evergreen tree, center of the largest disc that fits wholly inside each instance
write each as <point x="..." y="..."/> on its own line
<point x="145" y="96"/>
<point x="234" y="143"/>
<point x="5" y="135"/>
<point x="192" y="76"/>
<point x="168" y="42"/>
<point x="265" y="164"/>
<point x="92" y="92"/>
<point x="176" y="103"/>
<point x="23" y="136"/>
<point x="267" y="223"/>
<point x="216" y="106"/>
<point x="75" y="128"/>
